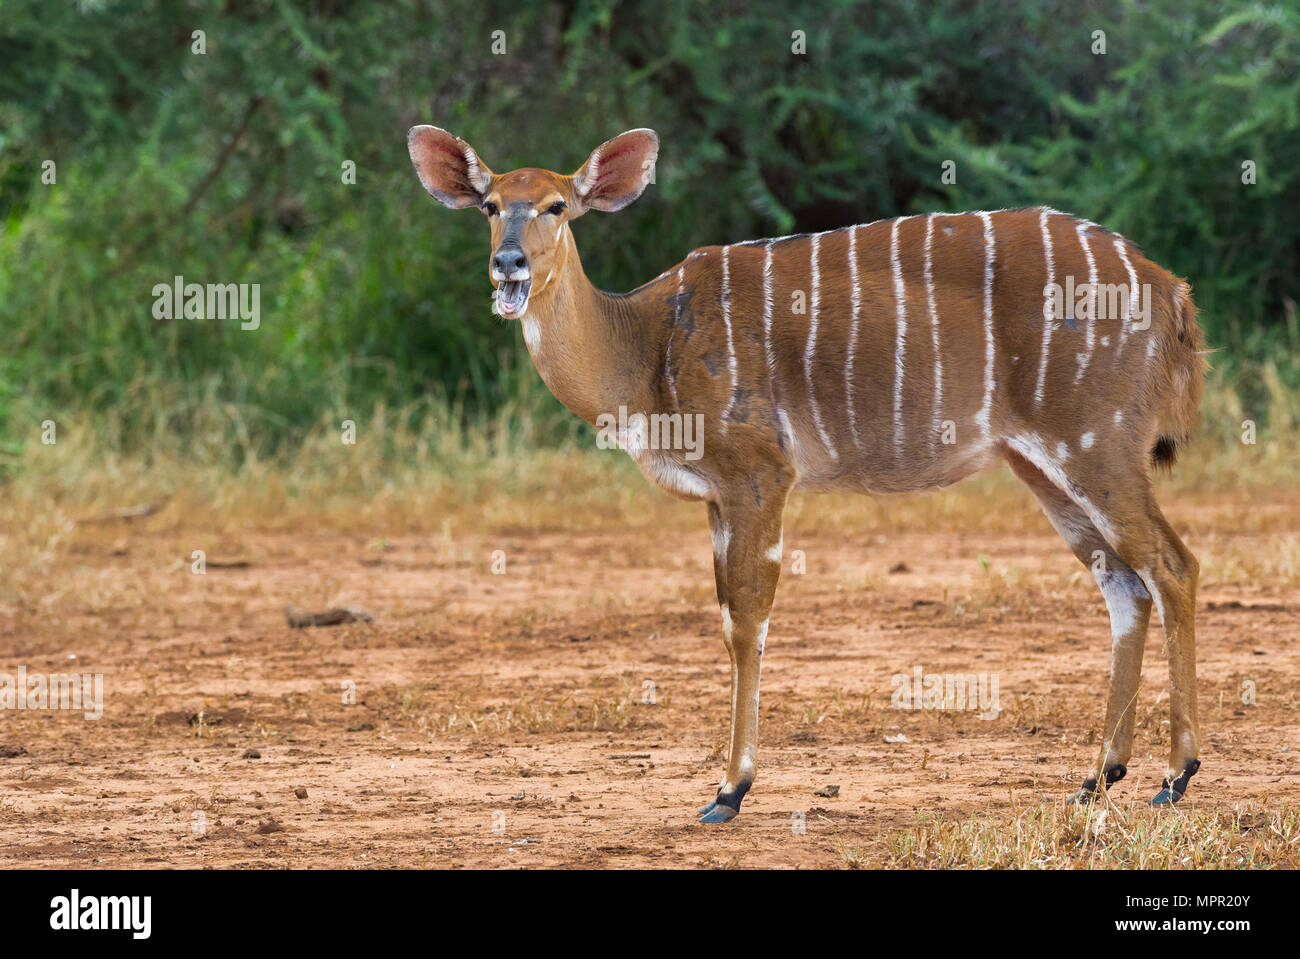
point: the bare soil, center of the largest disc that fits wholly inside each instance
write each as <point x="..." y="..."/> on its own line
<point x="572" y="709"/>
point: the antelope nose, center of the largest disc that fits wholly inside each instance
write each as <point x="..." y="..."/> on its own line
<point x="509" y="262"/>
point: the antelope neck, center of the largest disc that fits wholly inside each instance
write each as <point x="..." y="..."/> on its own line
<point x="595" y="351"/>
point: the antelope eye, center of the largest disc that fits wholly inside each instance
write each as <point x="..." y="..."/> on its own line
<point x="556" y="208"/>
<point x="490" y="209"/>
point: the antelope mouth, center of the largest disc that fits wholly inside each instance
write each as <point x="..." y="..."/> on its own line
<point x="512" y="296"/>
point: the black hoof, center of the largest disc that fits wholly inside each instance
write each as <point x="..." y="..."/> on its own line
<point x="1171" y="792"/>
<point x="726" y="807"/>
<point x="1090" y="791"/>
<point x="719" y="813"/>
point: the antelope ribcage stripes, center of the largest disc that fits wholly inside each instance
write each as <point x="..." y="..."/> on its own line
<point x="863" y="285"/>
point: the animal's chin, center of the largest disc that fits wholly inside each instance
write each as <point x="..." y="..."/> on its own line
<point x="512" y="297"/>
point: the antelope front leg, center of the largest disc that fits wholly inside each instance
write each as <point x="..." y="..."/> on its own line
<point x="746" y="566"/>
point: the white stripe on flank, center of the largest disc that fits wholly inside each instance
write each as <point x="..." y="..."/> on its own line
<point x="808" y="356"/>
<point x="1081" y="232"/>
<point x="982" y="417"/>
<point x="731" y="345"/>
<point x="1047" y="319"/>
<point x="900" y="344"/>
<point x="853" y="335"/>
<point x="934" y="327"/>
<point x="677" y="317"/>
<point x="1132" y="294"/>
<point x="767" y="312"/>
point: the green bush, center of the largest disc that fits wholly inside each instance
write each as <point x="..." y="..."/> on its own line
<point x="226" y="167"/>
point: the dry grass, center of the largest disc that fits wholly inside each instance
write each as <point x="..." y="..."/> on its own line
<point x="447" y="482"/>
<point x="1103" y="835"/>
<point x="602" y="707"/>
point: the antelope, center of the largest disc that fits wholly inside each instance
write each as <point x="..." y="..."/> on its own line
<point x="888" y="357"/>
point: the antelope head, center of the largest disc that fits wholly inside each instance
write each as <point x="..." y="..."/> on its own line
<point x="528" y="210"/>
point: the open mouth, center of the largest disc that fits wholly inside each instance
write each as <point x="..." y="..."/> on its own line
<point x="512" y="296"/>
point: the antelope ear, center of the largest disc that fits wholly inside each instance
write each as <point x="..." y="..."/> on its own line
<point x="617" y="171"/>
<point x="448" y="167"/>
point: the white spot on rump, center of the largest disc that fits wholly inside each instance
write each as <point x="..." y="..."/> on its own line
<point x="1086" y="440"/>
<point x="1062" y="451"/>
<point x="1119" y="417"/>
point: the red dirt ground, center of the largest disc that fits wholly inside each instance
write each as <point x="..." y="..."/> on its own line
<point x="499" y="719"/>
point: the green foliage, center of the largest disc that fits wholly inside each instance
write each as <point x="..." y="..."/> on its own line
<point x="226" y="167"/>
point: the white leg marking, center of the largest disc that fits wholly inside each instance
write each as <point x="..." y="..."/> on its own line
<point x="982" y="417"/>
<point x="808" y="355"/>
<point x="721" y="540"/>
<point x="762" y="637"/>
<point x="1081" y="231"/>
<point x="726" y="319"/>
<point x="1032" y="448"/>
<point x="1123" y="592"/>
<point x="1047" y="320"/>
<point x="853" y="336"/>
<point x="900" y="343"/>
<point x="1149" y="582"/>
<point x="934" y="328"/>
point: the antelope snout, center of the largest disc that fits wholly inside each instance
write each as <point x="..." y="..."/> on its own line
<point x="509" y="263"/>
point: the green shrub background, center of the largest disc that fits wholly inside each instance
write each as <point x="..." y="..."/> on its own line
<point x="226" y="167"/>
